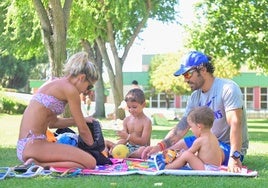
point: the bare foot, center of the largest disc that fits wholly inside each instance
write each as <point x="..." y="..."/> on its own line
<point x="30" y="161"/>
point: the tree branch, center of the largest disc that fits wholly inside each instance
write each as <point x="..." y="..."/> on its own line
<point x="137" y="30"/>
<point x="42" y="14"/>
<point x="66" y="11"/>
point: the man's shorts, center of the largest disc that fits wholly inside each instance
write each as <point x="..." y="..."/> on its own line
<point x="189" y="140"/>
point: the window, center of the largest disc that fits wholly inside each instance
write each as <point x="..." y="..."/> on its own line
<point x="153" y="101"/>
<point x="264" y="98"/>
<point x="248" y="97"/>
<point x="162" y="100"/>
<point x="159" y="101"/>
<point x="184" y="100"/>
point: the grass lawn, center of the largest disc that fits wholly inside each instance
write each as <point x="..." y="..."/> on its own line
<point x="256" y="159"/>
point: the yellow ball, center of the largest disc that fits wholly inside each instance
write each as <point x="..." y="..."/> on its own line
<point x="120" y="151"/>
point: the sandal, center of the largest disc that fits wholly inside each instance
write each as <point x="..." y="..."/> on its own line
<point x="33" y="171"/>
<point x="22" y="168"/>
<point x="159" y="161"/>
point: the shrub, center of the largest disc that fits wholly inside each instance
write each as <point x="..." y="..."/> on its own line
<point x="11" y="106"/>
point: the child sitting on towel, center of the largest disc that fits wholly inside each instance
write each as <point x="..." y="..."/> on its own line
<point x="205" y="153"/>
<point x="137" y="127"/>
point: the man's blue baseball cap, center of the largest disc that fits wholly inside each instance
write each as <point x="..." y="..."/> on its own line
<point x="190" y="60"/>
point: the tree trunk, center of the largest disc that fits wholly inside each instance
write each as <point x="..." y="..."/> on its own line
<point x="115" y="73"/>
<point x="54" y="24"/>
<point x="167" y="100"/>
<point x="115" y="77"/>
<point x="118" y="92"/>
<point x="95" y="57"/>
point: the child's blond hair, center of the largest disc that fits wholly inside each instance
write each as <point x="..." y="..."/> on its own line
<point x="203" y="115"/>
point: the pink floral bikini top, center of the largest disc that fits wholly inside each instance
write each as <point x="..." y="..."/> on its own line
<point x="52" y="103"/>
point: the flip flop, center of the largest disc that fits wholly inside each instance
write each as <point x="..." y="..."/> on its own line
<point x="159" y="161"/>
<point x="22" y="168"/>
<point x="46" y="172"/>
<point x="33" y="171"/>
<point x="4" y="172"/>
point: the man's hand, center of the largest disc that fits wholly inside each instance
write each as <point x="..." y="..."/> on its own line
<point x="234" y="165"/>
<point x="149" y="150"/>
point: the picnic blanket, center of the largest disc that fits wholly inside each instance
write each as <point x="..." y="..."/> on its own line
<point x="137" y="166"/>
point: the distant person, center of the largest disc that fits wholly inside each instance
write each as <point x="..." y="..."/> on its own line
<point x="224" y="97"/>
<point x="205" y="153"/>
<point x="88" y="103"/>
<point x="42" y="113"/>
<point x="83" y="104"/>
<point x="123" y="104"/>
<point x="137" y="127"/>
<point x="135" y="84"/>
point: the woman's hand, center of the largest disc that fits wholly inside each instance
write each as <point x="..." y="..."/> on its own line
<point x="89" y="119"/>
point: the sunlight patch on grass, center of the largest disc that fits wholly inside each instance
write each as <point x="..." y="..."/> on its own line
<point x="9" y="129"/>
<point x="257" y="148"/>
<point x="161" y="128"/>
<point x="258" y="130"/>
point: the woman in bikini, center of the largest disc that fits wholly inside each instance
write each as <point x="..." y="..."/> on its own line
<point x="42" y="113"/>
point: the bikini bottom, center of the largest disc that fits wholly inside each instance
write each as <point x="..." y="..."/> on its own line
<point x="22" y="143"/>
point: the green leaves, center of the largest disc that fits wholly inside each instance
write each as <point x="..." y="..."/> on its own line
<point x="233" y="29"/>
<point x="162" y="74"/>
<point x="20" y="29"/>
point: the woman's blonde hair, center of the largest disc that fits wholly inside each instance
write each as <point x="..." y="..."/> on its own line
<point x="80" y="64"/>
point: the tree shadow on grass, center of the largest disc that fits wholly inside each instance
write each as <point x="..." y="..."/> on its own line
<point x="261" y="127"/>
<point x="264" y="121"/>
<point x="257" y="130"/>
<point x="258" y="136"/>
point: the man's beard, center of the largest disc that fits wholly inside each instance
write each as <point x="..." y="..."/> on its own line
<point x="198" y="84"/>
